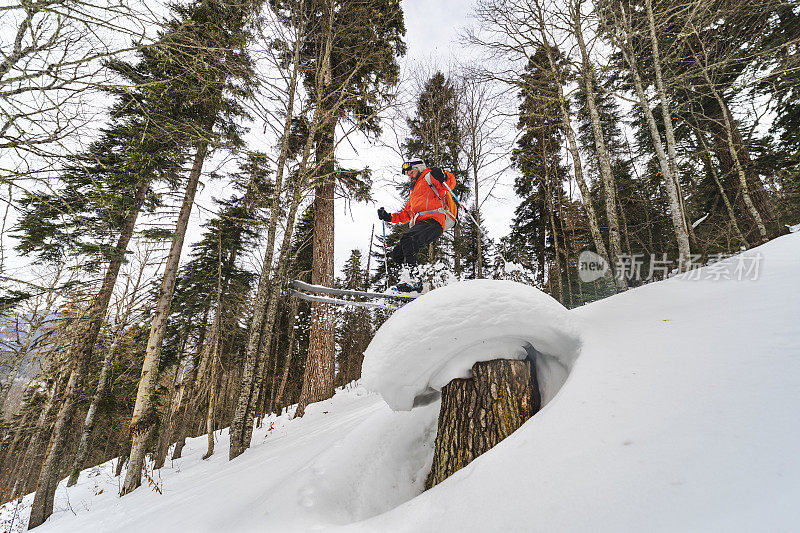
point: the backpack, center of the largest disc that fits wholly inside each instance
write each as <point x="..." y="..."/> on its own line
<point x="444" y="195"/>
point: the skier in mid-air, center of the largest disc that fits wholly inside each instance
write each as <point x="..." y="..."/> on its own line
<point x="426" y="213"/>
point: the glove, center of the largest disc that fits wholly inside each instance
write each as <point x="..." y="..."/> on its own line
<point x="383" y="215"/>
<point x="437" y="174"/>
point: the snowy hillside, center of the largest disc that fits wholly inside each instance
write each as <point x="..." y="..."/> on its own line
<point x="678" y="414"/>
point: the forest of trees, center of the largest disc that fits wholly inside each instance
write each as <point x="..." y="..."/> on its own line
<point x="664" y="133"/>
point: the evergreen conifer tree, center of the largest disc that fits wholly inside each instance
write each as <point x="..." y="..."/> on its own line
<point x="537" y="156"/>
<point x="213" y="73"/>
<point x="362" y="41"/>
<point x="355" y="324"/>
<point x="93" y="213"/>
<point x="470" y="235"/>
<point x="435" y="135"/>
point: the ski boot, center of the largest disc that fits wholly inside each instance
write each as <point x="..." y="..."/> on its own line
<point x="409" y="281"/>
<point x="408" y="287"/>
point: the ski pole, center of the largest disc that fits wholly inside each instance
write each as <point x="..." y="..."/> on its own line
<point x="385" y="256"/>
<point x="465" y="209"/>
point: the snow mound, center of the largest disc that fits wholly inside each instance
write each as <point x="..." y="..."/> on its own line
<point x="440" y="335"/>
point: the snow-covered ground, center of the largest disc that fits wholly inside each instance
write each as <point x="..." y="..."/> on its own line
<point x="680" y="413"/>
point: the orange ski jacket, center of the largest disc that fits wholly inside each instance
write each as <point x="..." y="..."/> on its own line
<point x="423" y="199"/>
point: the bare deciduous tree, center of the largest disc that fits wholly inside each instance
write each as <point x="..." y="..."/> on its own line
<point x="481" y="119"/>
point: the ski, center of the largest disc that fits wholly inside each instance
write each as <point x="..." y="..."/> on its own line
<point x="307" y="287"/>
<point x="339" y="301"/>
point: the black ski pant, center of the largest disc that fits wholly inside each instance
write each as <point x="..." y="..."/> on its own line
<point x="421" y="234"/>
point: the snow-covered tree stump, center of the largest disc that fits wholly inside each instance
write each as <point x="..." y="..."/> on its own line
<point x="479" y="412"/>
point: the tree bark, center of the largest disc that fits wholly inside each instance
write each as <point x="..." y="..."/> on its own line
<point x="143" y="418"/>
<point x="669" y="132"/>
<point x="19" y="466"/>
<point x="212" y="394"/>
<point x="42" y="506"/>
<point x="287" y="129"/>
<point x="124" y="453"/>
<point x="165" y="438"/>
<point x="586" y="197"/>
<point x="88" y="423"/>
<point x="479" y="412"/>
<point x="266" y="303"/>
<point x="183" y="416"/>
<point x="714" y="121"/>
<point x="264" y="314"/>
<point x="320" y="365"/>
<point x="557" y="249"/>
<point x="729" y="130"/>
<point x="670" y="181"/>
<point x="600" y="146"/>
<point x="266" y="285"/>
<point x="289" y="349"/>
<point x="477" y="216"/>
<point x="179" y="421"/>
<point x="216" y="332"/>
<point x="102" y="382"/>
<point x="706" y="156"/>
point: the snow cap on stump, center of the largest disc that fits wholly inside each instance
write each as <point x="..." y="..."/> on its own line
<point x="439" y="336"/>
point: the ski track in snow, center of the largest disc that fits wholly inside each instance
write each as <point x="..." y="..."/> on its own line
<point x="680" y="414"/>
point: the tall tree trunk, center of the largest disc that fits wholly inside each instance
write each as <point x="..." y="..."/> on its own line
<point x="212" y="394"/>
<point x="267" y="281"/>
<point x="18" y="467"/>
<point x="729" y="131"/>
<point x="280" y="169"/>
<point x="586" y="197"/>
<point x="42" y="506"/>
<point x="213" y="344"/>
<point x="122" y="459"/>
<point x="320" y="365"/>
<point x="457" y="251"/>
<point x="88" y="423"/>
<point x="714" y="122"/>
<point x="715" y="176"/>
<point x="264" y="312"/>
<point x="289" y="350"/>
<point x="365" y="286"/>
<point x="477" y="211"/>
<point x="675" y="203"/>
<point x="265" y="353"/>
<point x="600" y="146"/>
<point x="165" y="438"/>
<point x="143" y="418"/>
<point x="556" y="247"/>
<point x="273" y="380"/>
<point x="266" y="304"/>
<point x="102" y="382"/>
<point x="241" y="415"/>
<point x="186" y="400"/>
<point x="183" y="416"/>
<point x="11" y="454"/>
<point x="669" y="132"/>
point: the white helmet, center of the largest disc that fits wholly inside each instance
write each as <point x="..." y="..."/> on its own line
<point x="418" y="164"/>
